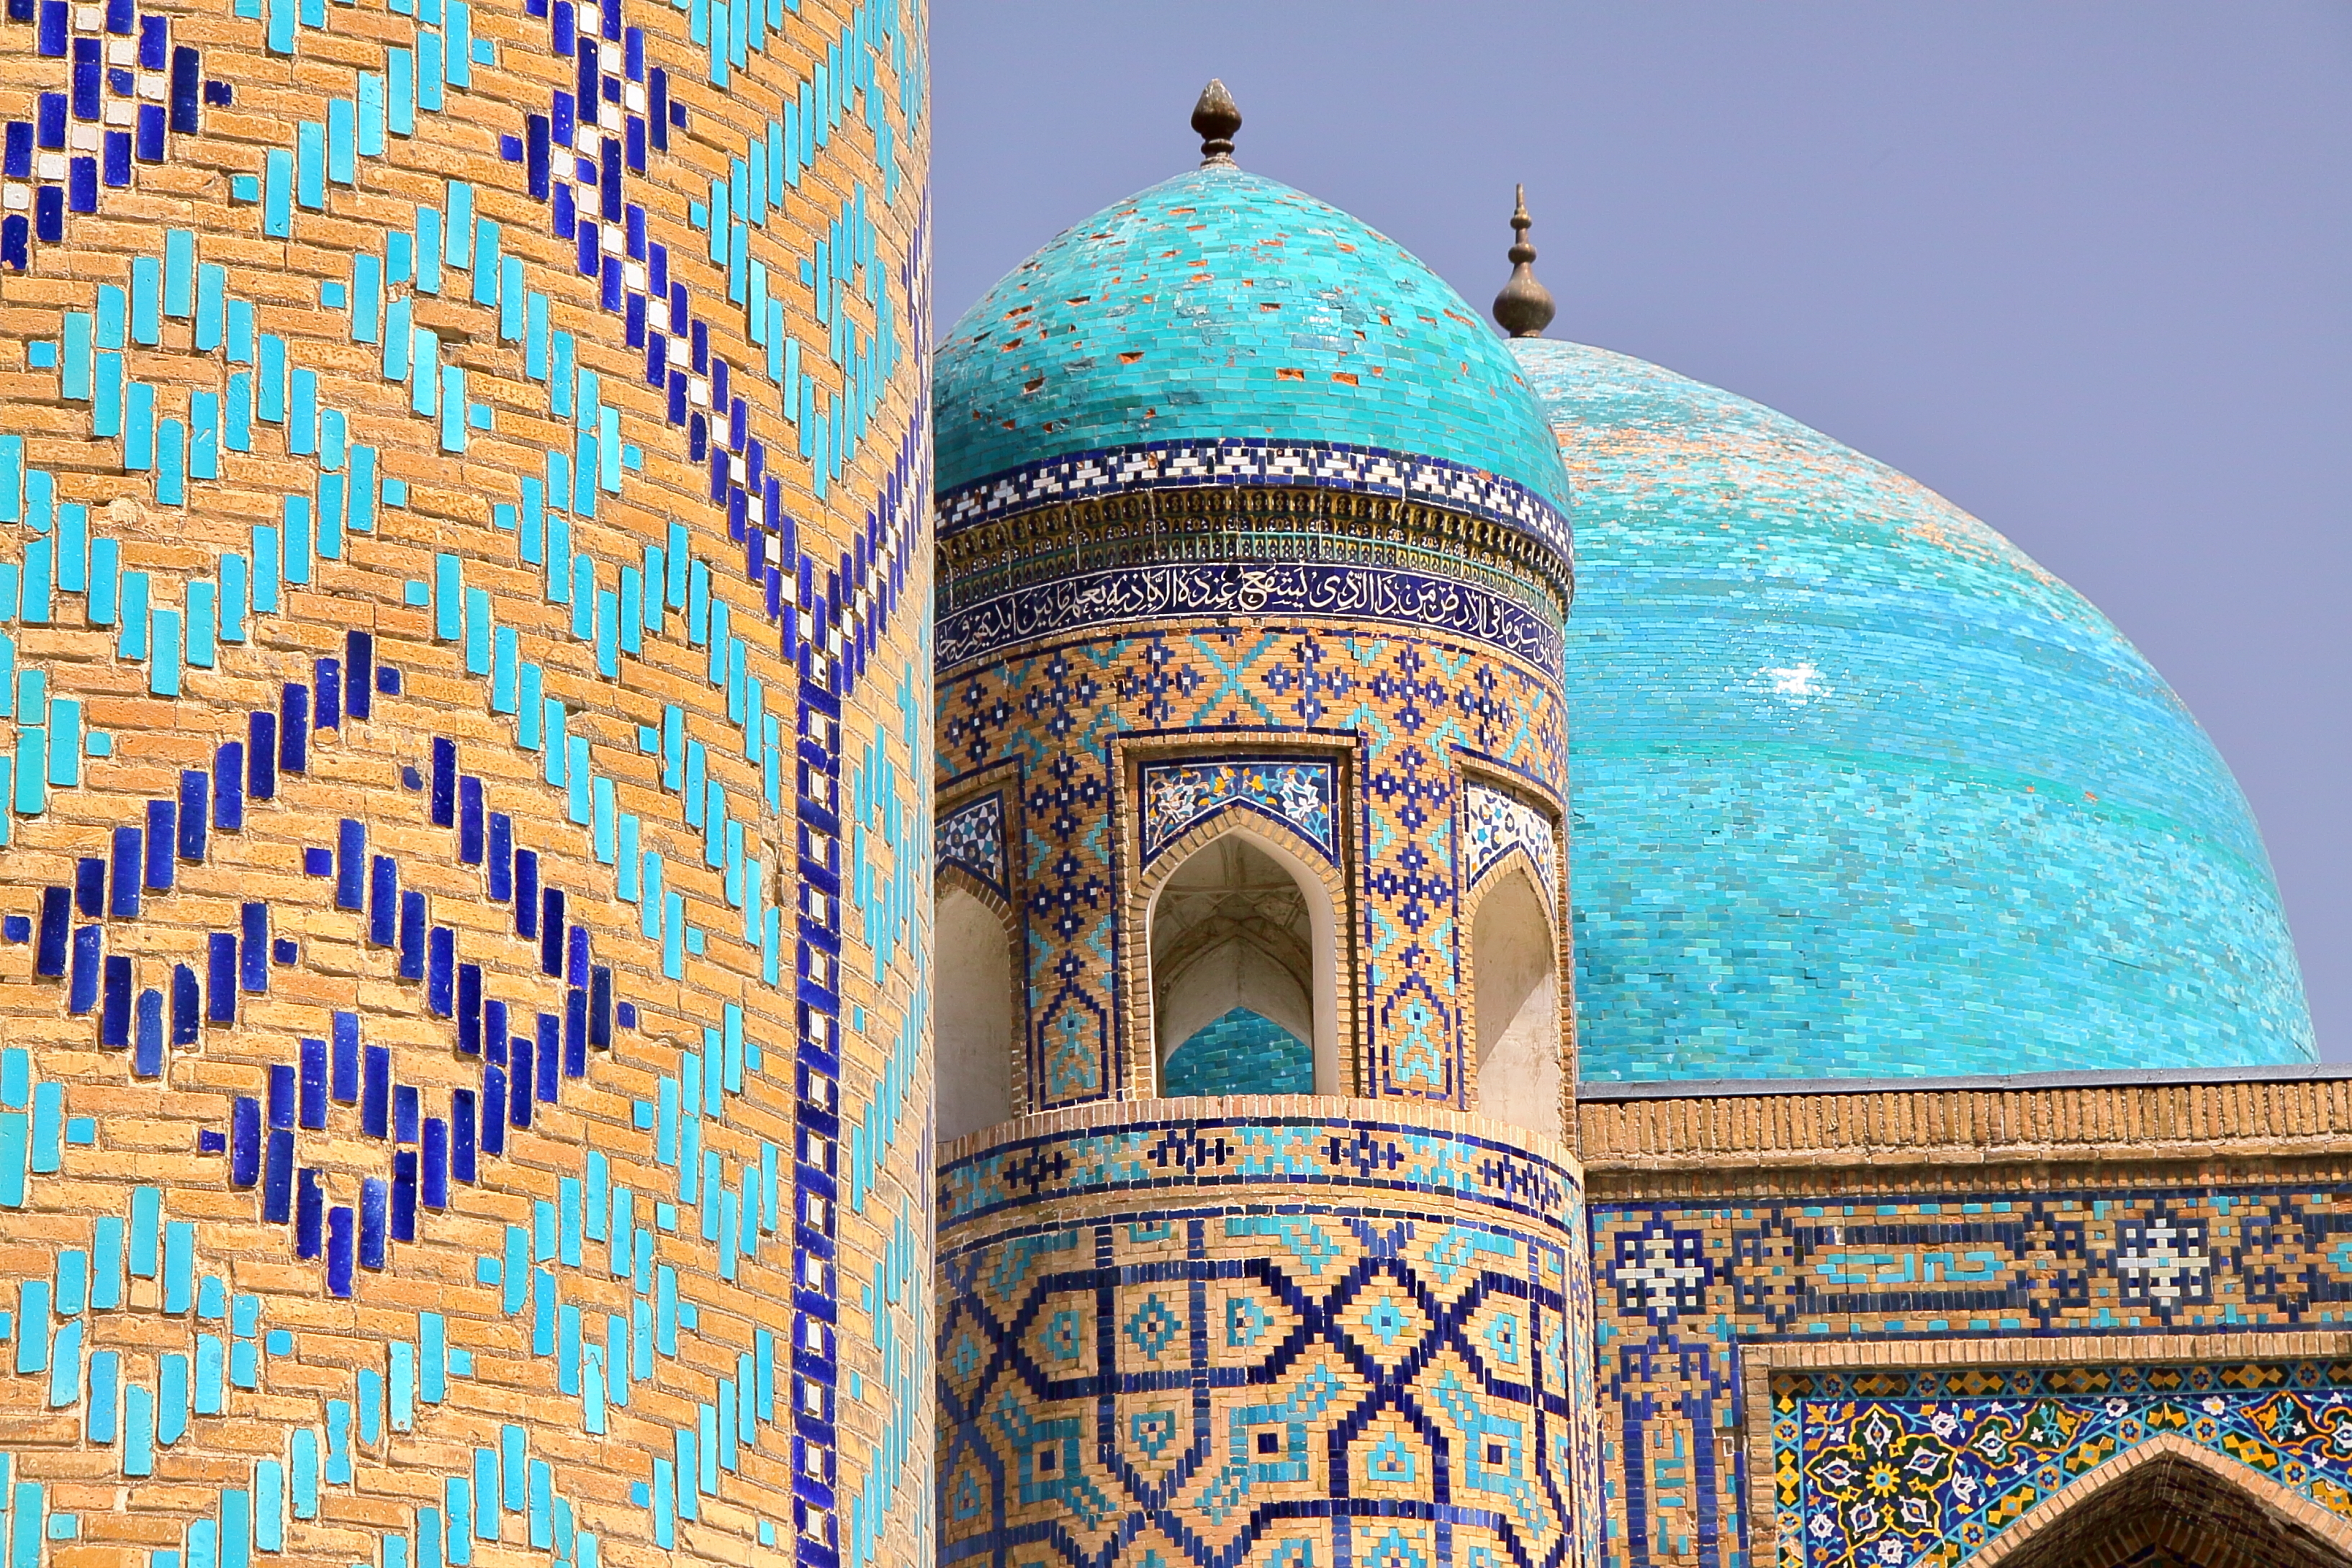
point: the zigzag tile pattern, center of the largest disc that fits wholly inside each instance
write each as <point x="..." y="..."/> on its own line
<point x="414" y="1043"/>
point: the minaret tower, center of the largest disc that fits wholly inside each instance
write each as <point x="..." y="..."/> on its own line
<point x="1259" y="1240"/>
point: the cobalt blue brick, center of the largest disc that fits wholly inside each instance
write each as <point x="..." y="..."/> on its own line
<point x="220" y="978"/>
<point x="339" y="1244"/>
<point x="81" y="986"/>
<point x="163" y="835"/>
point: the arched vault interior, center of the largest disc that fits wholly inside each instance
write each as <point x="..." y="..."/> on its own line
<point x="1236" y="928"/>
<point x="972" y="1029"/>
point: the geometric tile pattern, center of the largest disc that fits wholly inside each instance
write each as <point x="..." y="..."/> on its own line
<point x="1298" y="795"/>
<point x="1927" y="1466"/>
<point x="1684" y="1289"/>
<point x="1234" y="460"/>
<point x="972" y="836"/>
<point x="1406" y="703"/>
<point x="125" y="92"/>
<point x="1195" y="1375"/>
<point x="363" y="887"/>
<point x="1395" y="1157"/>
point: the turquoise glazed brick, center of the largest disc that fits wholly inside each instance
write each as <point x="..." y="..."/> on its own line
<point x="1240" y="1053"/>
<point x="1860" y="790"/>
<point x="1220" y="305"/>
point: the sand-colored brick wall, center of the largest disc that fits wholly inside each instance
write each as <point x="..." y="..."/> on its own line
<point x="464" y="584"/>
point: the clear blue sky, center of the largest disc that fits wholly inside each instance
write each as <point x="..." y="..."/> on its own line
<point x="2085" y="268"/>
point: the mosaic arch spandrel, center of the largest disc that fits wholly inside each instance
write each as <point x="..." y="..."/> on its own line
<point x="2169" y="1501"/>
<point x="1948" y="1454"/>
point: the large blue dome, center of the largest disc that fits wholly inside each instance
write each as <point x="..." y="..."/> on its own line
<point x="1219" y="307"/>
<point x="1861" y="791"/>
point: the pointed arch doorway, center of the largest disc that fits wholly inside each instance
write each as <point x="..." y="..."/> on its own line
<point x="2169" y="1503"/>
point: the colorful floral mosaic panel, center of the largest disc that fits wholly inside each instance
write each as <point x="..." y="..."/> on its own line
<point x="1684" y="1291"/>
<point x="1494" y="823"/>
<point x="972" y="837"/>
<point x="1298" y="795"/>
<point x="1924" y="1468"/>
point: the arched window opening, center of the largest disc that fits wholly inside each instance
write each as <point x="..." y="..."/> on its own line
<point x="972" y="1015"/>
<point x="1243" y="973"/>
<point x="1514" y="969"/>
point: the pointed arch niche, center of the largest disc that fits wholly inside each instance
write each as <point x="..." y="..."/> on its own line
<point x="1237" y="963"/>
<point x="2168" y="1501"/>
<point x="978" y="1003"/>
<point x="1244" y="971"/>
<point x="1512" y="861"/>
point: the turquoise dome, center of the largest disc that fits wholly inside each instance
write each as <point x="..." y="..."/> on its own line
<point x="1859" y="790"/>
<point x="1221" y="307"/>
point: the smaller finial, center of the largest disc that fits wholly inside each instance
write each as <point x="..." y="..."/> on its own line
<point x="1216" y="117"/>
<point x="1524" y="306"/>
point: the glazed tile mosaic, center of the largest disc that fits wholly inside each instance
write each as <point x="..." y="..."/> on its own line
<point x="1177" y="795"/>
<point x="1497" y="825"/>
<point x="972" y="837"/>
<point x="1924" y="1468"/>
<point x="1319" y="464"/>
<point x="1391" y="1371"/>
<point x="1000" y="625"/>
<point x="469" y="729"/>
<point x="1411" y="703"/>
<point x="1825" y="722"/>
<point x="1218" y="305"/>
<point x="1686" y="1291"/>
<point x="1239" y="1053"/>
<point x="401" y="765"/>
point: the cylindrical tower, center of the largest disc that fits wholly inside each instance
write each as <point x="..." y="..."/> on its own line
<point x="463" y="590"/>
<point x="1259" y="1238"/>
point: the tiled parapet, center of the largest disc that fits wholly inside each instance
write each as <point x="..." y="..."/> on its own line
<point x="461" y="942"/>
<point x="1285" y="1330"/>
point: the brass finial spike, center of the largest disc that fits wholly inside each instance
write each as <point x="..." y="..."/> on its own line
<point x="1216" y="117"/>
<point x="1524" y="306"/>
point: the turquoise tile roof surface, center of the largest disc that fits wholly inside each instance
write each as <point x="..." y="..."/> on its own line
<point x="1861" y="791"/>
<point x="1220" y="304"/>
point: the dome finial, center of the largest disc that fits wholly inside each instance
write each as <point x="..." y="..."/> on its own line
<point x="1216" y="117"/>
<point x="1525" y="306"/>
